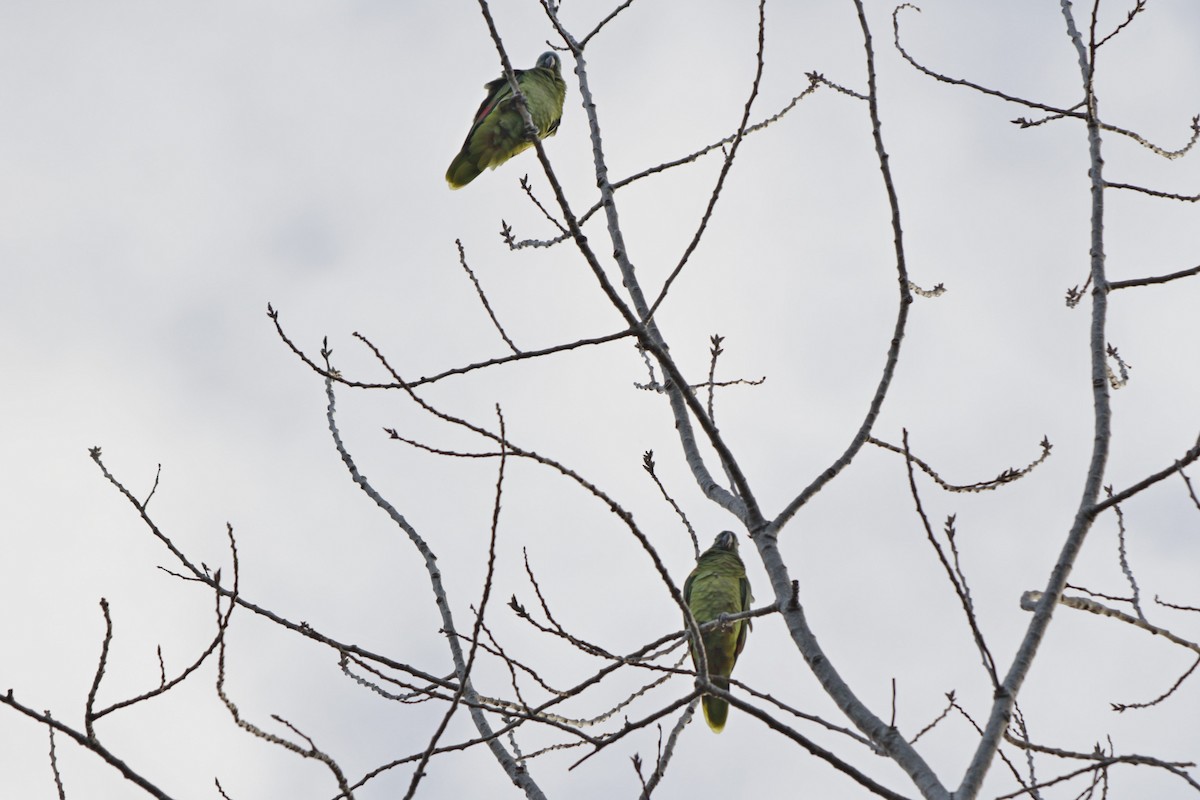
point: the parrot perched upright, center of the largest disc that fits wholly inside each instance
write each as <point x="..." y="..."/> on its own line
<point x="718" y="586"/>
<point x="498" y="132"/>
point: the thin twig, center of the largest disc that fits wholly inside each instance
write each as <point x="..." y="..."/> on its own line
<point x="725" y="166"/>
<point x="1030" y="599"/>
<point x="1123" y="558"/>
<point x="904" y="301"/>
<point x="714" y="353"/>
<point x="154" y="488"/>
<point x="825" y="755"/>
<point x="1101" y="761"/>
<point x="464" y="677"/>
<point x="1023" y="658"/>
<point x="1174" y="276"/>
<point x="514" y="771"/>
<point x="665" y="753"/>
<point x="462" y="259"/>
<point x="1019" y="721"/>
<point x="88" y="743"/>
<point x="222" y="625"/>
<point x="1164" y="695"/>
<point x="648" y="465"/>
<point x="1120" y="497"/>
<point x="1188" y="482"/>
<point x="815" y="80"/>
<point x="957" y="579"/>
<point x="934" y="723"/>
<point x="600" y="25"/>
<point x="417" y="382"/>
<point x="889" y="740"/>
<point x="58" y="784"/>
<point x="527" y="187"/>
<point x="1117" y="379"/>
<point x="89" y="716"/>
<point x="1007" y="476"/>
<point x="960" y="81"/>
<point x="1054" y="113"/>
<point x="556" y="629"/>
<point x="1137" y="9"/>
<point x="1184" y="198"/>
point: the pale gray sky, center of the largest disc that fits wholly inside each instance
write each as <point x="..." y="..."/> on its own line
<point x="167" y="169"/>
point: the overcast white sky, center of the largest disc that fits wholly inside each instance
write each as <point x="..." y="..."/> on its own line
<point x="167" y="169"/>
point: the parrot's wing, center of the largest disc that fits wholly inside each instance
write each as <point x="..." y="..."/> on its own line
<point x="496" y="90"/>
<point x="687" y="588"/>
<point x="747" y="599"/>
<point x="472" y="159"/>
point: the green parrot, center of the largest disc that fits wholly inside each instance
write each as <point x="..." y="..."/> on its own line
<point x="718" y="586"/>
<point x="498" y="132"/>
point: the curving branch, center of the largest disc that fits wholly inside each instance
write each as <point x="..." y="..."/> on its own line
<point x="725" y="166"/>
<point x="1102" y="431"/>
<point x="462" y="260"/>
<point x="905" y="297"/>
<point x="953" y="573"/>
<point x="514" y="769"/>
<point x="1054" y="113"/>
<point x="1007" y="476"/>
<point x="885" y="737"/>
<point x="88" y="743"/>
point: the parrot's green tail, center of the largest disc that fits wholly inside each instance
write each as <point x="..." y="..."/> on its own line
<point x="462" y="170"/>
<point x="716" y="710"/>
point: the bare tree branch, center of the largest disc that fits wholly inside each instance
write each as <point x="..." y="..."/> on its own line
<point x="462" y="259"/>
<point x="905" y="298"/>
<point x="1054" y="113"/>
<point x="1174" y="276"/>
<point x="1175" y="686"/>
<point x="954" y="574"/>
<point x="648" y="465"/>
<point x="515" y="771"/>
<point x="1184" y="198"/>
<point x="1007" y="476"/>
<point x="725" y="166"/>
<point x="1032" y="600"/>
<point x="1102" y="425"/>
<point x="88" y="743"/>
<point x="522" y="356"/>
<point x="58" y="784"/>
<point x="1120" y="497"/>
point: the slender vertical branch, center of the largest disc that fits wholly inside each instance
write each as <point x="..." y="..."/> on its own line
<point x="89" y="714"/>
<point x="462" y="259"/>
<point x="886" y="738"/>
<point x="1101" y="435"/>
<point x="58" y="784"/>
<point x="905" y="300"/>
<point x="953" y="573"/>
<point x="665" y="753"/>
<point x="465" y="676"/>
<point x="1123" y="558"/>
<point x="742" y="504"/>
<point x="725" y="165"/>
<point x="515" y="771"/>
